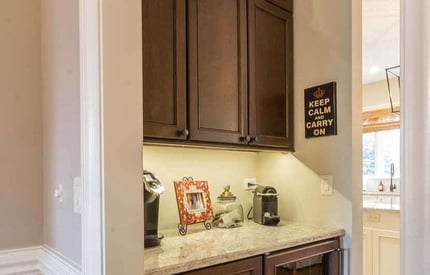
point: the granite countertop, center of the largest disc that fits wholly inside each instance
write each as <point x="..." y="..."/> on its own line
<point x="210" y="247"/>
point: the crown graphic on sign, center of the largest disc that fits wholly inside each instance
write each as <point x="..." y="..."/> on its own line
<point x="319" y="93"/>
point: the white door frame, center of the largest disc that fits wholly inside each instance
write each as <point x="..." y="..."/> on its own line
<point x="415" y="136"/>
<point x="110" y="35"/>
<point x="93" y="258"/>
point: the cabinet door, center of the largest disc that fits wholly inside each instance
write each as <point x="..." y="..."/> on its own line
<point x="367" y="251"/>
<point x="251" y="266"/>
<point x="164" y="68"/>
<point x="285" y="4"/>
<point x="270" y="75"/>
<point x="313" y="259"/>
<point x="386" y="252"/>
<point x="217" y="55"/>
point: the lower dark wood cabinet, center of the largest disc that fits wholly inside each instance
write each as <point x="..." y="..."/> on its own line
<point x="251" y="266"/>
<point x="319" y="258"/>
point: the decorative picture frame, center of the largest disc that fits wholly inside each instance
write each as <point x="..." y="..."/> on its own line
<point x="194" y="203"/>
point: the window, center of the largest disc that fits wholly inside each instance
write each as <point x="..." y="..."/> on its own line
<point x="380" y="150"/>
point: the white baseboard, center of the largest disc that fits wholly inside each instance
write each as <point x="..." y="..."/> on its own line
<point x="38" y="260"/>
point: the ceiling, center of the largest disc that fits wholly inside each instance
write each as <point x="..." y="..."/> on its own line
<point x="381" y="38"/>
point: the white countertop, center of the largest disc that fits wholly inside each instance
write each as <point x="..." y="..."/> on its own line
<point x="389" y="201"/>
<point x="210" y="247"/>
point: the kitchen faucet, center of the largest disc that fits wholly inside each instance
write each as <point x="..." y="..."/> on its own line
<point x="392" y="185"/>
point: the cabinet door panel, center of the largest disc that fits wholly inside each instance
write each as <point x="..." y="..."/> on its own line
<point x="285" y="4"/>
<point x="271" y="75"/>
<point x="292" y="259"/>
<point x="217" y="70"/>
<point x="386" y="252"/>
<point x="164" y="68"/>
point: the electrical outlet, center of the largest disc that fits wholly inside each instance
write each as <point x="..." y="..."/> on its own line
<point x="249" y="183"/>
<point x="327" y="185"/>
<point x="373" y="217"/>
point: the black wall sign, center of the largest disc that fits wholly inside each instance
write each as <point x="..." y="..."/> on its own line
<point x="320" y="111"/>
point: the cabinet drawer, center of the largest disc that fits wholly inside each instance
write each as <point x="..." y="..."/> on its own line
<point x="251" y="266"/>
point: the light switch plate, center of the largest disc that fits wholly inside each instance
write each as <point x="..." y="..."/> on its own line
<point x="327" y="185"/>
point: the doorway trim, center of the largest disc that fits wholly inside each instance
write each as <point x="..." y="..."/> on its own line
<point x="93" y="255"/>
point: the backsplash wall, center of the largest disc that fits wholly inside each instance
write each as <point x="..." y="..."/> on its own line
<point x="297" y="184"/>
<point x="218" y="167"/>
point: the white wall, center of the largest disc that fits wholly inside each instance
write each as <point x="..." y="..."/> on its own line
<point x="21" y="203"/>
<point x="61" y="123"/>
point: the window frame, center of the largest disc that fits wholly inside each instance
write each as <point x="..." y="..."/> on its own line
<point x="379" y="120"/>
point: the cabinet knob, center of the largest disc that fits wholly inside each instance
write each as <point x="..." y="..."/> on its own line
<point x="185" y="132"/>
<point x="245" y="138"/>
<point x="254" y="139"/>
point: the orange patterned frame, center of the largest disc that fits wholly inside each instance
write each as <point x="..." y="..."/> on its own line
<point x="194" y="203"/>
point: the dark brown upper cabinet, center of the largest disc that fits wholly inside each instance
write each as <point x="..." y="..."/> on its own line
<point x="284" y="4"/>
<point x="164" y="68"/>
<point x="217" y="70"/>
<point x="270" y="45"/>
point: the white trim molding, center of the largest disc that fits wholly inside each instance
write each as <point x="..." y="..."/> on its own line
<point x="20" y="261"/>
<point x="93" y="258"/>
<point x="54" y="263"/>
<point x="36" y="260"/>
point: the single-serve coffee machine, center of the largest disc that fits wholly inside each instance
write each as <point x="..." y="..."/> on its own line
<point x="265" y="205"/>
<point x="152" y="191"/>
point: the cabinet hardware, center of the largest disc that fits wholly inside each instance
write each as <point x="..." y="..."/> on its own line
<point x="184" y="132"/>
<point x="254" y="139"/>
<point x="245" y="139"/>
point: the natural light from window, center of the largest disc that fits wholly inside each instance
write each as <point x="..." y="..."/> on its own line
<point x="380" y="150"/>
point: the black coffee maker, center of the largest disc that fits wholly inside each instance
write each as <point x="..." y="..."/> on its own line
<point x="152" y="191"/>
<point x="265" y="205"/>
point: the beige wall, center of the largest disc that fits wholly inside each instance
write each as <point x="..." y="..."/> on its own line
<point x="122" y="136"/>
<point x="61" y="123"/>
<point x="375" y="96"/>
<point x="218" y="167"/>
<point x="324" y="52"/>
<point x="21" y="205"/>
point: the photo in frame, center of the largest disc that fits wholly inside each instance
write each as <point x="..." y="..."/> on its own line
<point x="194" y="203"/>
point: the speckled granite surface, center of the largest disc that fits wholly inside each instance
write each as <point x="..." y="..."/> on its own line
<point x="205" y="248"/>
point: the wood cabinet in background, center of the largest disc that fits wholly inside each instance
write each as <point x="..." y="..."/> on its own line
<point x="317" y="258"/>
<point x="381" y="242"/>
<point x="219" y="72"/>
